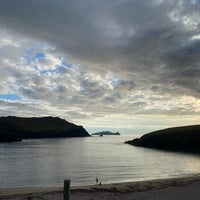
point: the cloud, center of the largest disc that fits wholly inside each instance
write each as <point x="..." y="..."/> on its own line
<point x="91" y="59"/>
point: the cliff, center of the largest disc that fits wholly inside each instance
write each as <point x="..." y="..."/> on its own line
<point x="16" y="128"/>
<point x="185" y="139"/>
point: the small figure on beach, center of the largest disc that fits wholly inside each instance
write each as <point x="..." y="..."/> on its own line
<point x="97" y="180"/>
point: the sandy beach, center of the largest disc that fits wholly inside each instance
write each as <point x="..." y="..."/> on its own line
<point x="186" y="188"/>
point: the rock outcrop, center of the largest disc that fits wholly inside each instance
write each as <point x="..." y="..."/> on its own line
<point x="105" y="133"/>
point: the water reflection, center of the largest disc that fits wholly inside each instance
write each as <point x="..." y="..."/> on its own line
<point x="48" y="162"/>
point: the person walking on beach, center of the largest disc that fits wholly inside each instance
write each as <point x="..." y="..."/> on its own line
<point x="97" y="180"/>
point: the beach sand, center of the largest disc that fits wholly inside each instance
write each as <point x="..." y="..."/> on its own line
<point x="186" y="188"/>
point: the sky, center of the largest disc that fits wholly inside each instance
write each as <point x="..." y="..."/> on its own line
<point x="121" y="65"/>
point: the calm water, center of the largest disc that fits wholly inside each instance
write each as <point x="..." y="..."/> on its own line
<point x="47" y="162"/>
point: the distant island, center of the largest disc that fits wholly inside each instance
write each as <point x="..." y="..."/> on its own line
<point x="185" y="139"/>
<point x="17" y="128"/>
<point x="105" y="133"/>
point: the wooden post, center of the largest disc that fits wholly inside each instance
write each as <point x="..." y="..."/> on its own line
<point x="66" y="195"/>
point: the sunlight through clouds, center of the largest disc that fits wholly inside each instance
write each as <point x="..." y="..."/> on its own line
<point x="100" y="62"/>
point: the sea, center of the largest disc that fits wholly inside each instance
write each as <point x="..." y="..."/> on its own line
<point x="48" y="162"/>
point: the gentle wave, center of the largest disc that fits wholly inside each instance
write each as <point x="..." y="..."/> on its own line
<point x="47" y="162"/>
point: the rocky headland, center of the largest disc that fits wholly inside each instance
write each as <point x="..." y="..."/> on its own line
<point x="184" y="139"/>
<point x="17" y="128"/>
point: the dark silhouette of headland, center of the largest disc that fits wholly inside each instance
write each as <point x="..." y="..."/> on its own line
<point x="105" y="133"/>
<point x="184" y="139"/>
<point x="17" y="128"/>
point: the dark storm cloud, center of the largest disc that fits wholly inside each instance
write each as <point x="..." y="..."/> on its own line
<point x="67" y="24"/>
<point x="89" y="30"/>
<point x="91" y="27"/>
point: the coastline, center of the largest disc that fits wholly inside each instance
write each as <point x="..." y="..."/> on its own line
<point x="113" y="188"/>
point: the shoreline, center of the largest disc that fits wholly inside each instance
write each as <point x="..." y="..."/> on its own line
<point x="116" y="188"/>
<point x="138" y="186"/>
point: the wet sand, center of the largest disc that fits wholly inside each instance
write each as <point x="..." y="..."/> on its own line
<point x="172" y="189"/>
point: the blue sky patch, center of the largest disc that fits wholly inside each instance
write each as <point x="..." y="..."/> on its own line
<point x="39" y="56"/>
<point x="11" y="97"/>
